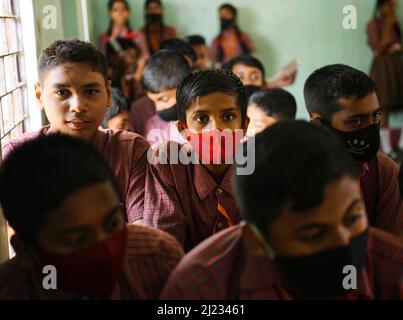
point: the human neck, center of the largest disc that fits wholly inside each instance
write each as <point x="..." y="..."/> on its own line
<point x="217" y="171"/>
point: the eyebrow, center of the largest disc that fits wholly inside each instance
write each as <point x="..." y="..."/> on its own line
<point x="363" y="115"/>
<point x="89" y="85"/>
<point x="200" y="110"/>
<point x="324" y="225"/>
<point x="80" y="229"/>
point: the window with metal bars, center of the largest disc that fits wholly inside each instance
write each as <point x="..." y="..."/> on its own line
<point x="13" y="88"/>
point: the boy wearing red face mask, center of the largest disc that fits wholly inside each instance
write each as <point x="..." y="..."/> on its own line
<point x="64" y="207"/>
<point x="193" y="199"/>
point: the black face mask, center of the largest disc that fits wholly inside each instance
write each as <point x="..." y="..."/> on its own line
<point x="170" y="114"/>
<point x="363" y="144"/>
<point x="153" y="19"/>
<point x="226" y="23"/>
<point x="321" y="275"/>
<point x="249" y="90"/>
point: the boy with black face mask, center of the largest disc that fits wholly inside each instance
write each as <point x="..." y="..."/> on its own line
<point x="344" y="100"/>
<point x="162" y="75"/>
<point x="252" y="73"/>
<point x="307" y="234"/>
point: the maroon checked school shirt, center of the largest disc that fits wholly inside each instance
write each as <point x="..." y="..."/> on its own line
<point x="224" y="267"/>
<point x="380" y="187"/>
<point x="183" y="200"/>
<point x="151" y="256"/>
<point x="126" y="154"/>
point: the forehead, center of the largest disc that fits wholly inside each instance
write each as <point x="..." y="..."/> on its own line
<point x="199" y="47"/>
<point x="213" y="102"/>
<point x="154" y="6"/>
<point x="242" y="68"/>
<point x="226" y="12"/>
<point x="256" y="112"/>
<point x="72" y="74"/>
<point x="119" y="5"/>
<point x="166" y="93"/>
<point x="337" y="198"/>
<point x="352" y="106"/>
<point x="85" y="207"/>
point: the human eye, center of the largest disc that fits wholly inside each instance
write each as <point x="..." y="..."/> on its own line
<point x="91" y="92"/>
<point x="202" y="118"/>
<point x="62" y="92"/>
<point x="229" y="117"/>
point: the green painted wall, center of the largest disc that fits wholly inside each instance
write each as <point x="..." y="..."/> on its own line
<point x="308" y="30"/>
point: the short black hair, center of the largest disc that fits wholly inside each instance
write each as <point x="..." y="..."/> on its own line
<point x="148" y="2"/>
<point x="277" y="103"/>
<point x="325" y="86"/>
<point x="58" y="166"/>
<point x="112" y="2"/>
<point x="119" y="105"/>
<point x="195" y="40"/>
<point x="164" y="70"/>
<point x="181" y="46"/>
<point x="246" y="60"/>
<point x="229" y="7"/>
<point x="205" y="82"/>
<point x="72" y="51"/>
<point x="278" y="179"/>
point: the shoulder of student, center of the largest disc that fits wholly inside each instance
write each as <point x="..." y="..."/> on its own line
<point x="11" y="145"/>
<point x="169" y="154"/>
<point x="387" y="168"/>
<point x="132" y="141"/>
<point x="207" y="267"/>
<point x="386" y="252"/>
<point x="147" y="241"/>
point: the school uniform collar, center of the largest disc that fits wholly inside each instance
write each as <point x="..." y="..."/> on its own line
<point x="100" y="139"/>
<point x="205" y="184"/>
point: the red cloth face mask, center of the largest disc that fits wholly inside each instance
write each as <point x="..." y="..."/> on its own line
<point x="217" y="146"/>
<point x="92" y="271"/>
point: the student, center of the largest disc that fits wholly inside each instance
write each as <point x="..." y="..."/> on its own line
<point x="182" y="47"/>
<point x="344" y="100"/>
<point x="385" y="39"/>
<point x="119" y="27"/>
<point x="198" y="43"/>
<point x="194" y="200"/>
<point x="74" y="92"/>
<point x="117" y="115"/>
<point x="268" y="106"/>
<point x="302" y="229"/>
<point x="163" y="73"/>
<point x="155" y="31"/>
<point x="71" y="218"/>
<point x="231" y="41"/>
<point x="252" y="73"/>
<point x="122" y="56"/>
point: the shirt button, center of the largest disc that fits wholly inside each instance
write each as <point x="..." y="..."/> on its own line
<point x="219" y="225"/>
<point x="219" y="190"/>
